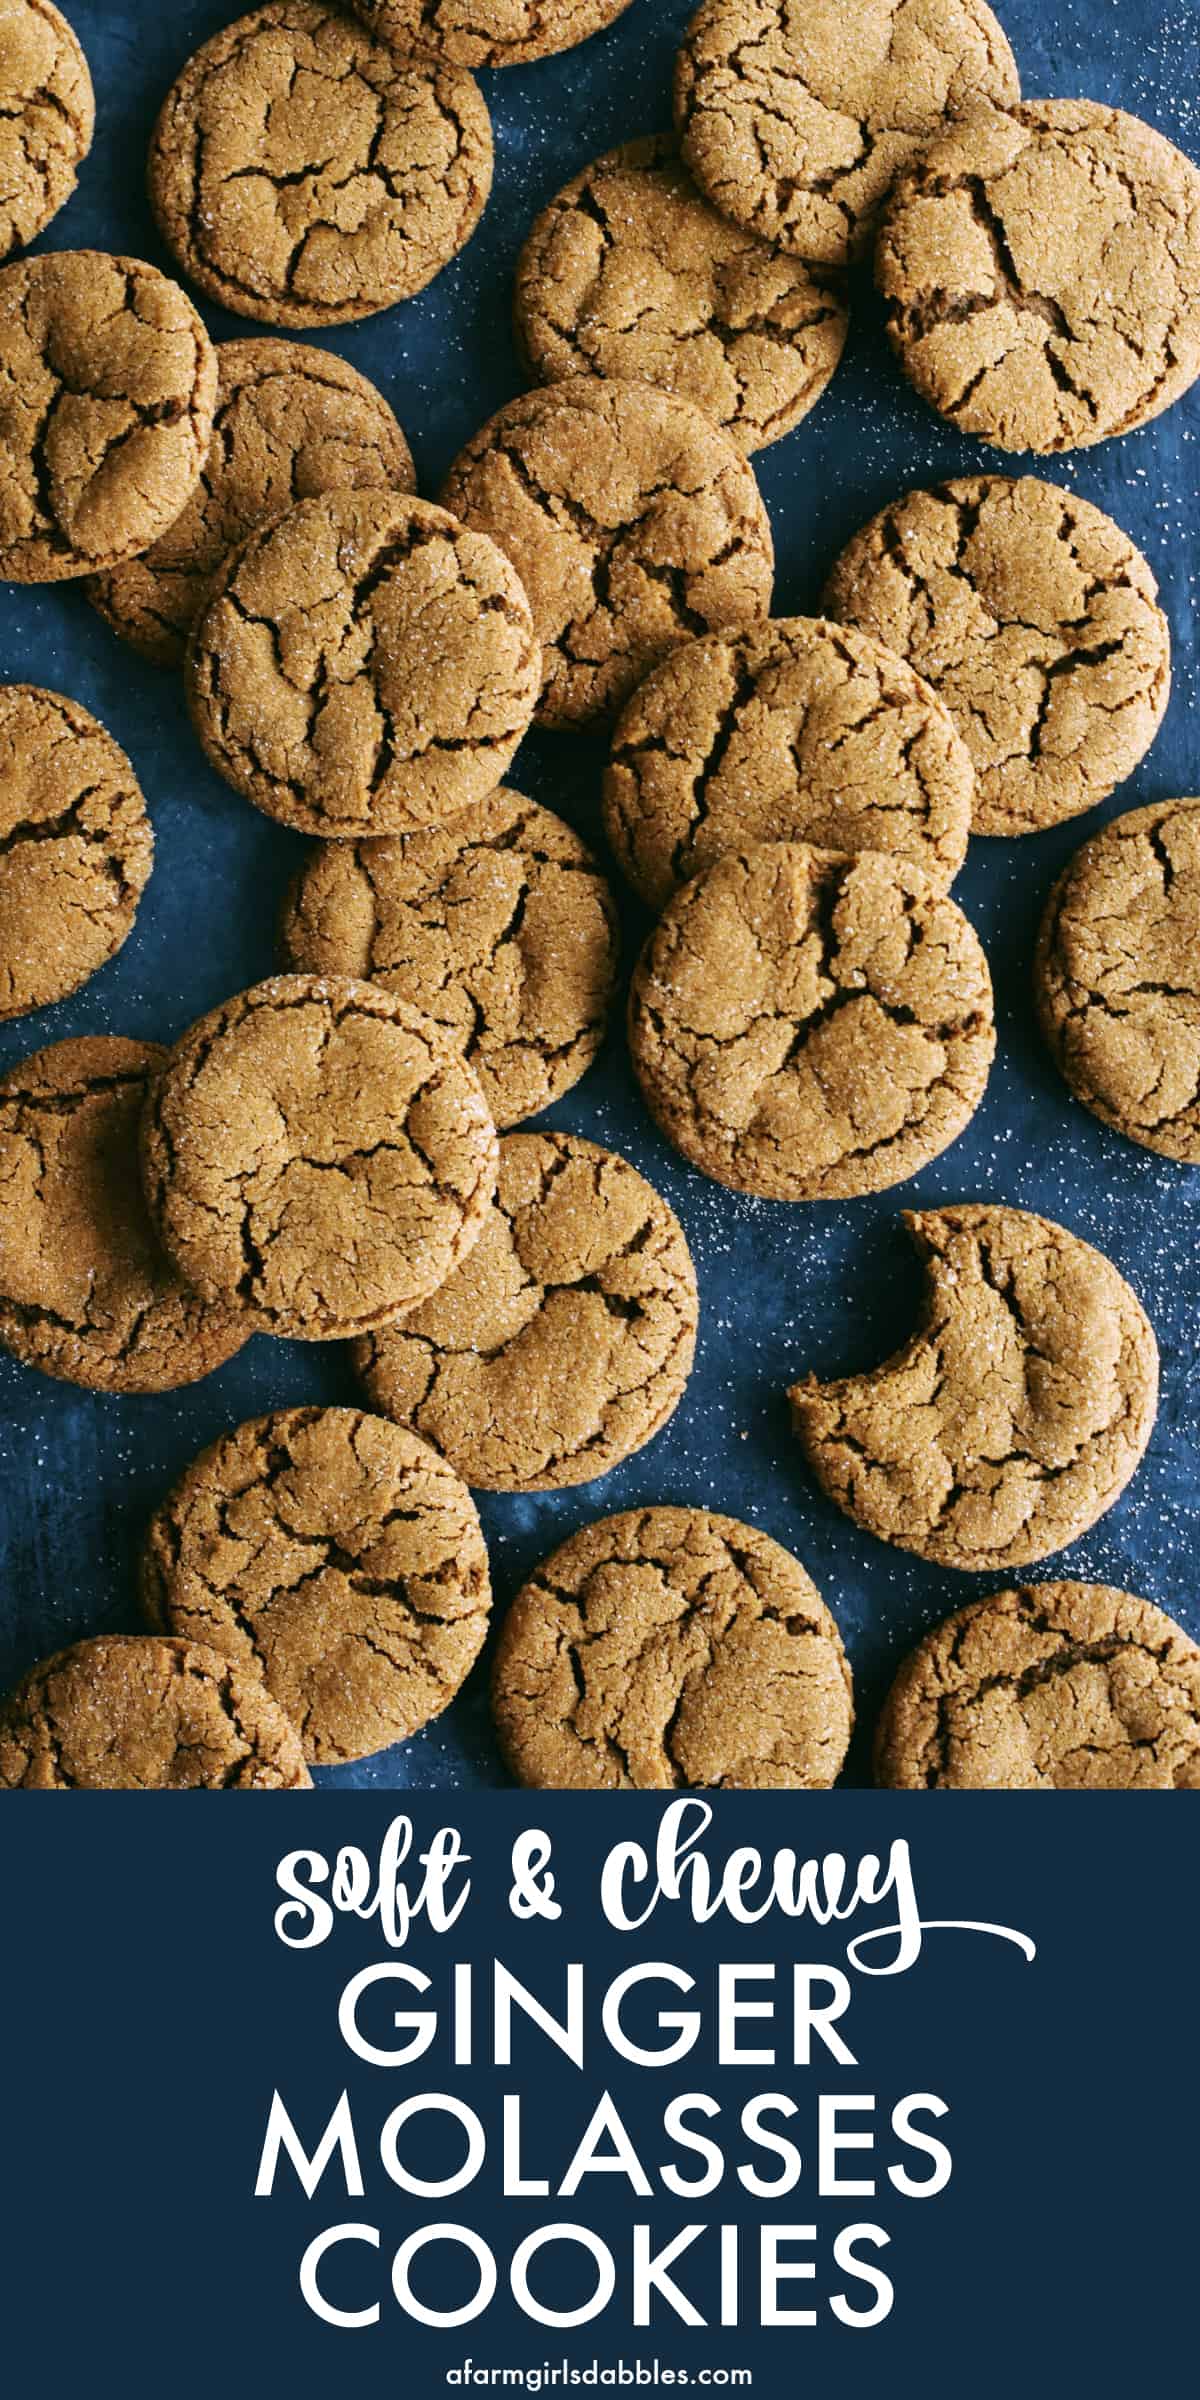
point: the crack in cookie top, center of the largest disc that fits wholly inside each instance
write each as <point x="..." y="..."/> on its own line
<point x="1055" y="1687"/>
<point x="1014" y="1417"/>
<point x="317" y="1154"/>
<point x="367" y="665"/>
<point x="488" y="33"/>
<point x="1037" y="623"/>
<point x="76" y="847"/>
<point x="337" y="1557"/>
<point x="633" y="523"/>
<point x="631" y="272"/>
<point x="1042" y="274"/>
<point x="291" y="422"/>
<point x="86" y="1293"/>
<point x="565" y="1341"/>
<point x="130" y="1713"/>
<point x="668" y="1649"/>
<point x="797" y="115"/>
<point x="795" y="731"/>
<point x="306" y="175"/>
<point x="811" y="1026"/>
<point x="107" y="386"/>
<point x="47" y="116"/>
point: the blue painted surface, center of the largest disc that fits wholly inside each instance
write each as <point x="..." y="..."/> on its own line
<point x="783" y="1289"/>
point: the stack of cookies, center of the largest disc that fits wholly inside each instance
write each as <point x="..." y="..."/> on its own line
<point x="339" y="1153"/>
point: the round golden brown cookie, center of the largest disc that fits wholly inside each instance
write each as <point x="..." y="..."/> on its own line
<point x="797" y="115"/>
<point x="1042" y="274"/>
<point x="47" y="117"/>
<point x="1056" y="1687"/>
<point x="335" y="1556"/>
<point x="498" y="925"/>
<point x="291" y="422"/>
<point x="564" y="1342"/>
<point x="811" y="1026"/>
<point x="107" y="386"/>
<point x="1036" y="621"/>
<point x="672" y="1648"/>
<point x="367" y="665"/>
<point x="316" y="1154"/>
<point x="305" y="175"/>
<point x="1118" y="976"/>
<point x="1014" y="1417"/>
<point x="796" y="731"/>
<point x="630" y="272"/>
<point x="632" y="522"/>
<point x="487" y="33"/>
<point x="128" y="1713"/>
<point x="85" y="1291"/>
<point x="76" y="847"/>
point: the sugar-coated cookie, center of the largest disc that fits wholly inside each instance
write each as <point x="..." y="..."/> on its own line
<point x="76" y="847"/>
<point x="131" y="1713"/>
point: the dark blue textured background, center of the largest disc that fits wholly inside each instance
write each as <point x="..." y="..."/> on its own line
<point x="783" y="1289"/>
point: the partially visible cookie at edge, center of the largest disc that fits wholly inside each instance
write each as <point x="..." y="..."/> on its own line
<point x="1054" y="1687"/>
<point x="499" y="925"/>
<point x="672" y="1649"/>
<point x="1035" y="619"/>
<point x="128" y="1712"/>
<point x="488" y="33"/>
<point x="76" y="847"/>
<point x="47" y="117"/>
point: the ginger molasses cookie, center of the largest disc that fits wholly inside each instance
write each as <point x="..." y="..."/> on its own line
<point x="335" y="1556"/>
<point x="1014" y="1417"/>
<point x="1036" y="621"/>
<point x="1042" y="274"/>
<point x="107" y="386"/>
<point x="1118" y="976"/>
<point x="76" y="847"/>
<point x="1055" y="1687"/>
<point x="305" y="175"/>
<point x="631" y="272"/>
<point x="499" y="925"/>
<point x="318" y="1155"/>
<point x="128" y="1713"/>
<point x="365" y="666"/>
<point x="797" y="115"/>
<point x="47" y="117"/>
<point x="487" y="33"/>
<point x="565" y="1340"/>
<point x="632" y="522"/>
<point x="811" y="1026"/>
<point x="291" y="422"/>
<point x="795" y="731"/>
<point x="672" y="1648"/>
<point x="85" y="1291"/>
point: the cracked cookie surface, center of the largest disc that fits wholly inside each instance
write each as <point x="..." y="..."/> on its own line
<point x="498" y="925"/>
<point x="1118" y="977"/>
<point x="76" y="847"/>
<point x="47" y="117"/>
<point x="1014" y="1417"/>
<point x="291" y="422"/>
<point x="85" y="1291"/>
<point x="796" y="116"/>
<point x="316" y="1154"/>
<point x="796" y="731"/>
<point x="1037" y="623"/>
<point x="565" y="1341"/>
<point x="630" y="272"/>
<point x="668" y="1649"/>
<point x="367" y="665"/>
<point x="810" y="1026"/>
<point x="305" y="175"/>
<point x="107" y="386"/>
<point x="632" y="521"/>
<point x="488" y="33"/>
<point x="337" y="1557"/>
<point x="1056" y="1687"/>
<point x="131" y="1713"/>
<point x="1042" y="274"/>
